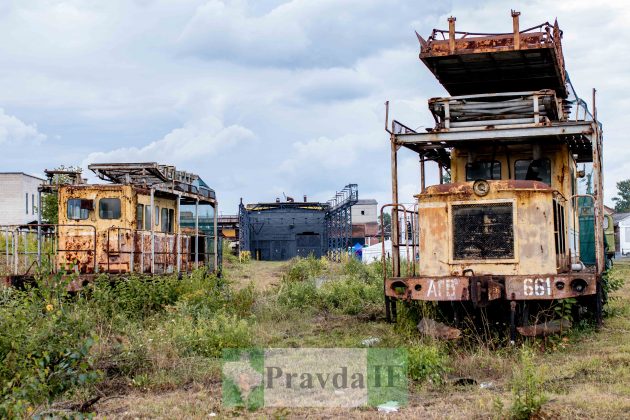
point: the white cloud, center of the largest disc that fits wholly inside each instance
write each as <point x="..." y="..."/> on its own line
<point x="17" y="132"/>
<point x="195" y="142"/>
<point x="300" y="33"/>
<point x="306" y="78"/>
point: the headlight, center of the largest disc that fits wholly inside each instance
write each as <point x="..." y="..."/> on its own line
<point x="481" y="187"/>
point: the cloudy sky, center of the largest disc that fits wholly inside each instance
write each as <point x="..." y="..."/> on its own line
<point x="263" y="97"/>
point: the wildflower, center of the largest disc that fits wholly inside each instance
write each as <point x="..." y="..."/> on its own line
<point x="49" y="307"/>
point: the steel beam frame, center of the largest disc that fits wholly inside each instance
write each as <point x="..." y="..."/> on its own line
<point x="339" y="221"/>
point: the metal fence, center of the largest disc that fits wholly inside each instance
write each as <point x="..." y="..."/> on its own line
<point x="81" y="249"/>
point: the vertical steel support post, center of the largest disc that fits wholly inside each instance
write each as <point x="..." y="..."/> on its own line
<point x="197" y="234"/>
<point x="216" y="237"/>
<point x="39" y="229"/>
<point x="133" y="248"/>
<point x="177" y="235"/>
<point x="451" y="34"/>
<point x="6" y="245"/>
<point x="152" y="231"/>
<point x="142" y="253"/>
<point x="26" y="253"/>
<point x="515" y="29"/>
<point x="395" y="229"/>
<point x="16" y="252"/>
<point x="422" y="173"/>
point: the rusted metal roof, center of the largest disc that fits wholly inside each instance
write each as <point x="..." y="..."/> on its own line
<point x="159" y="177"/>
<point x="468" y="63"/>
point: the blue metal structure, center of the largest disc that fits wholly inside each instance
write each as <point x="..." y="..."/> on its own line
<point x="282" y="230"/>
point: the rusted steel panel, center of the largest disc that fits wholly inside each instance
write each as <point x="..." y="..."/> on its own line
<point x="546" y="287"/>
<point x="432" y="289"/>
<point x="484" y="289"/>
<point x="468" y="63"/>
<point x="533" y="248"/>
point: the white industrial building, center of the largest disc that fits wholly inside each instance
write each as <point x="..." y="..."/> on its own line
<point x="622" y="233"/>
<point x="365" y="211"/>
<point x="18" y="198"/>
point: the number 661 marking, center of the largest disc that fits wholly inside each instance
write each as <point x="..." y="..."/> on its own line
<point x="537" y="287"/>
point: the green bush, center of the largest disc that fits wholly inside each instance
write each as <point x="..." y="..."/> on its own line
<point x="351" y="296"/>
<point x="427" y="362"/>
<point x="209" y="336"/>
<point x="135" y="297"/>
<point x="356" y="289"/>
<point x="527" y="387"/>
<point x="302" y="269"/>
<point x="45" y="344"/>
<point x="298" y="294"/>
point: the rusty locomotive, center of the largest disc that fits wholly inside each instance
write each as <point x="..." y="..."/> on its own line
<point x="505" y="230"/>
<point x="148" y="219"/>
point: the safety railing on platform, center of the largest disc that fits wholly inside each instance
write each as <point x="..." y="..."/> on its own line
<point x="83" y="250"/>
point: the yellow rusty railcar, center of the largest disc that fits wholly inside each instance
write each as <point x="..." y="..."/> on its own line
<point x="133" y="224"/>
<point x="502" y="227"/>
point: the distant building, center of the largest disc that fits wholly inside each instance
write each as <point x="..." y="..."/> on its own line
<point x="622" y="232"/>
<point x="228" y="227"/>
<point x="365" y="211"/>
<point x="365" y="226"/>
<point x="282" y="230"/>
<point x="18" y="198"/>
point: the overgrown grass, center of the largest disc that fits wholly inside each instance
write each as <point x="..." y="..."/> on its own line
<point x="129" y="331"/>
<point x="163" y="333"/>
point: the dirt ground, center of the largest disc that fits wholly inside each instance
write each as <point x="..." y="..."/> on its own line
<point x="587" y="375"/>
<point x="264" y="274"/>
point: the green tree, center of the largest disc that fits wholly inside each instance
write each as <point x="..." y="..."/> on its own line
<point x="386" y="224"/>
<point x="49" y="208"/>
<point x="622" y="202"/>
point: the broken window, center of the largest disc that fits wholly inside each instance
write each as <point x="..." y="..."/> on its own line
<point x="483" y="169"/>
<point x="79" y="209"/>
<point x="109" y="208"/>
<point x="533" y="170"/>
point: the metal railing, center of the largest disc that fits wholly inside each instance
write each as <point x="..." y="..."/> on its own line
<point x="29" y="246"/>
<point x="83" y="250"/>
<point x="496" y="109"/>
<point x="129" y="250"/>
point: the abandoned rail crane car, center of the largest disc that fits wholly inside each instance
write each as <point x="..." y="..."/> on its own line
<point x="504" y="232"/>
<point x="130" y="225"/>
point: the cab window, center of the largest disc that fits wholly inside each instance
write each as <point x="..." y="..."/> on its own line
<point x="109" y="208"/>
<point x="164" y="227"/>
<point x="171" y="220"/>
<point x="79" y="209"/>
<point x="483" y="169"/>
<point x="533" y="170"/>
<point x="139" y="216"/>
<point x="147" y="217"/>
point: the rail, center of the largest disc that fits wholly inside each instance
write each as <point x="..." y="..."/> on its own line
<point x="43" y="239"/>
<point x="158" y="252"/>
<point x="80" y="248"/>
<point x="411" y="232"/>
